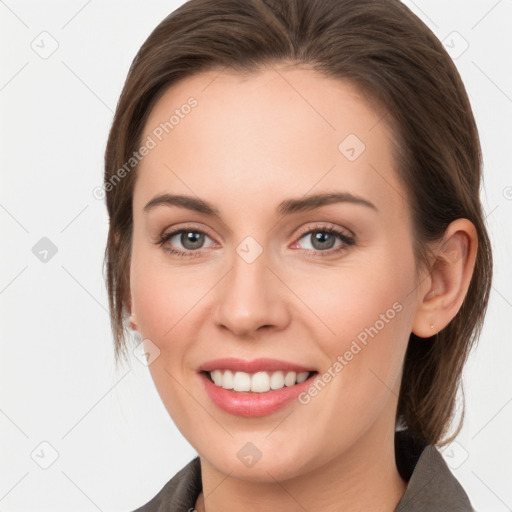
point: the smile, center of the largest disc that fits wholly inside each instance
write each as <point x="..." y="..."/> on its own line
<point x="254" y="388"/>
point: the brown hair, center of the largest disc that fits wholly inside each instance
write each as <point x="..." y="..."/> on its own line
<point x="387" y="52"/>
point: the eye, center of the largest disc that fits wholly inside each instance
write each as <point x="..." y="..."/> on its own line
<point x="191" y="241"/>
<point x="323" y="239"/>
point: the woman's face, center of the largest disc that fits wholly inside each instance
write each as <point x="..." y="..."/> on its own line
<point x="262" y="272"/>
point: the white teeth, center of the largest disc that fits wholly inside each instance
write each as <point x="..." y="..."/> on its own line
<point x="216" y="376"/>
<point x="227" y="380"/>
<point x="290" y="379"/>
<point x="242" y="381"/>
<point x="277" y="380"/>
<point x="302" y="376"/>
<point x="259" y="382"/>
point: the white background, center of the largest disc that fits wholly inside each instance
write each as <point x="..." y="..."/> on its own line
<point x="115" y="443"/>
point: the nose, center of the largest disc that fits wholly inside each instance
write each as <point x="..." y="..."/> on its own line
<point x="251" y="298"/>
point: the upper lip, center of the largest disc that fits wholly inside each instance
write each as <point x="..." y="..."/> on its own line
<point x="256" y="365"/>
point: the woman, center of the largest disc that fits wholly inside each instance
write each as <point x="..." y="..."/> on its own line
<point x="297" y="236"/>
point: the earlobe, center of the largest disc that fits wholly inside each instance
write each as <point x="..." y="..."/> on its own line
<point x="133" y="323"/>
<point x="451" y="269"/>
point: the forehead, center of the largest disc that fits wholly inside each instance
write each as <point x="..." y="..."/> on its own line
<point x="278" y="132"/>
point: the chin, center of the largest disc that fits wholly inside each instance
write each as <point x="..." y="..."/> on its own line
<point x="257" y="458"/>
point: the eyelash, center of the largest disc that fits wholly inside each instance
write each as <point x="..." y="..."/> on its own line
<point x="346" y="239"/>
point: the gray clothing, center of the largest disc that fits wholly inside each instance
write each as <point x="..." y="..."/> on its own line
<point x="431" y="487"/>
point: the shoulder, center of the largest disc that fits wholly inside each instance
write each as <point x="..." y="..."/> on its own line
<point x="179" y="494"/>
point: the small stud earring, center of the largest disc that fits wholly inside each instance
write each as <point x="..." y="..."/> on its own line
<point x="133" y="325"/>
<point x="432" y="326"/>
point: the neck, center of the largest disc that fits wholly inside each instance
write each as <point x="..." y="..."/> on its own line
<point x="365" y="478"/>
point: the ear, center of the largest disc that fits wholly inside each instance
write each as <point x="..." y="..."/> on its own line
<point x="444" y="286"/>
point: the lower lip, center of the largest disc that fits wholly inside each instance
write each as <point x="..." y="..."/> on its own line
<point x="251" y="404"/>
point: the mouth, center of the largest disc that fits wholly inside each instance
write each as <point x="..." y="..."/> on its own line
<point x="254" y="388"/>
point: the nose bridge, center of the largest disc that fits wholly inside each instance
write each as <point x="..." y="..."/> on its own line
<point x="249" y="297"/>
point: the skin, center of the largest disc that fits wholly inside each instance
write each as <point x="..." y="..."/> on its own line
<point x="251" y="142"/>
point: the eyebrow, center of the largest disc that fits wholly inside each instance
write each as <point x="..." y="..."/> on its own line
<point x="286" y="207"/>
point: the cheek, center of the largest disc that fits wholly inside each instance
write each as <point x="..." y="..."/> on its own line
<point x="166" y="305"/>
<point x="163" y="297"/>
<point x="352" y="299"/>
<point x="361" y="379"/>
<point x="368" y="310"/>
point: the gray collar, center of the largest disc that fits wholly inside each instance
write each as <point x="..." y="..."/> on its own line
<point x="431" y="487"/>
